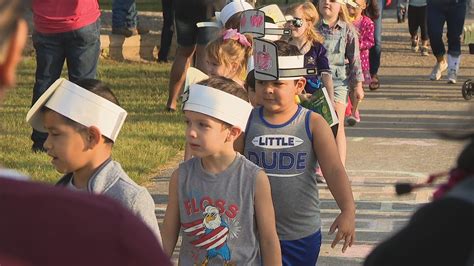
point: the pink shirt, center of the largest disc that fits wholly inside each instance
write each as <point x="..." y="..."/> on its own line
<point x="365" y="27"/>
<point x="57" y="16"/>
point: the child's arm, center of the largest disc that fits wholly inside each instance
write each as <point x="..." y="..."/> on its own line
<point x="265" y="216"/>
<point x="325" y="148"/>
<point x="171" y="223"/>
<point x="326" y="77"/>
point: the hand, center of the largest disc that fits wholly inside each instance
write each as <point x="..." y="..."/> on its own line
<point x="345" y="225"/>
<point x="359" y="92"/>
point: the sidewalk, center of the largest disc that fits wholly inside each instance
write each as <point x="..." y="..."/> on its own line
<point x="394" y="142"/>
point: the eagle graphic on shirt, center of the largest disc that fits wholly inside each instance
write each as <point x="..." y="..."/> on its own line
<point x="211" y="233"/>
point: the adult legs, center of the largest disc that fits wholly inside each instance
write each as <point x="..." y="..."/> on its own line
<point x="455" y="22"/>
<point x="436" y="18"/>
<point x="180" y="65"/>
<point x="166" y="31"/>
<point x="82" y="52"/>
<point x="50" y="57"/>
<point x="124" y="13"/>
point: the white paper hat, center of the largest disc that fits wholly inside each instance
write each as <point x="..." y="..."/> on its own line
<point x="270" y="66"/>
<point x="274" y="12"/>
<point x="193" y="76"/>
<point x="79" y="105"/>
<point x="252" y="21"/>
<point x="218" y="104"/>
<point x="226" y="13"/>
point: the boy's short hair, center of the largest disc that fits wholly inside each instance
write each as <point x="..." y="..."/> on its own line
<point x="250" y="81"/>
<point x="226" y="85"/>
<point x="99" y="88"/>
<point x="286" y="49"/>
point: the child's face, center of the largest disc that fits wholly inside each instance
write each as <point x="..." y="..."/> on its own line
<point x="215" y="68"/>
<point x="298" y="32"/>
<point x="356" y="12"/>
<point x="65" y="144"/>
<point x="253" y="97"/>
<point x="279" y="95"/>
<point x="329" y="8"/>
<point x="205" y="135"/>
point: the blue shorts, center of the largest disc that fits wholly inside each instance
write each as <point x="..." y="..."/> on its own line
<point x="301" y="252"/>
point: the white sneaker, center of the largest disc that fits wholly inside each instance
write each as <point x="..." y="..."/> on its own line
<point x="438" y="69"/>
<point x="452" y="75"/>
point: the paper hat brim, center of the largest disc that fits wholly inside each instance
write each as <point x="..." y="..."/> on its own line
<point x="218" y="104"/>
<point x="79" y="105"/>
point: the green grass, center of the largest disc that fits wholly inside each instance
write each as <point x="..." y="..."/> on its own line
<point x="149" y="138"/>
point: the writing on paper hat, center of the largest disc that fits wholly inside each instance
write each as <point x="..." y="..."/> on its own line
<point x="79" y="105"/>
<point x="218" y="104"/>
<point x="269" y="66"/>
<point x="252" y="21"/>
<point x="226" y="13"/>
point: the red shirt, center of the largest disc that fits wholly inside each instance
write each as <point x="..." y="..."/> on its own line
<point x="57" y="16"/>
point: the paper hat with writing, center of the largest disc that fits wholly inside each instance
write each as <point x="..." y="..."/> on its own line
<point x="270" y="66"/>
<point x="253" y="21"/>
<point x="348" y="2"/>
<point x="79" y="105"/>
<point x="218" y="104"/>
<point x="226" y="13"/>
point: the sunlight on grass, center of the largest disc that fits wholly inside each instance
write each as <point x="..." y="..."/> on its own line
<point x="150" y="137"/>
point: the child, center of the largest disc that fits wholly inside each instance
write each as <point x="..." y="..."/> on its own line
<point x="286" y="140"/>
<point x="227" y="56"/>
<point x="417" y="18"/>
<point x="81" y="144"/>
<point x="365" y="28"/>
<point x="218" y="192"/>
<point x="342" y="44"/>
<point x="309" y="41"/>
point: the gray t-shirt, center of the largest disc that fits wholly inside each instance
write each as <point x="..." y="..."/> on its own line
<point x="286" y="153"/>
<point x="217" y="214"/>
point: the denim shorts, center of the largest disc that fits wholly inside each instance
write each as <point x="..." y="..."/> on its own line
<point x="188" y="34"/>
<point x="340" y="94"/>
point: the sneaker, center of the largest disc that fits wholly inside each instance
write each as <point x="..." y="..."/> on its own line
<point x="439" y="68"/>
<point x="127" y="32"/>
<point x="452" y="75"/>
<point x="424" y="51"/>
<point x="414" y="45"/>
<point x="353" y="119"/>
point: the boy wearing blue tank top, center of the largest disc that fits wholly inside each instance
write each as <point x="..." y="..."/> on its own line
<point x="220" y="201"/>
<point x="286" y="140"/>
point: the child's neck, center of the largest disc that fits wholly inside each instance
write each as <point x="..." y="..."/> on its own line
<point x="357" y="18"/>
<point x="82" y="176"/>
<point x="300" y="43"/>
<point x="331" y="21"/>
<point x="281" y="117"/>
<point x="219" y="162"/>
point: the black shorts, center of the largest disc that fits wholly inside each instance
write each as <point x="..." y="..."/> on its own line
<point x="190" y="12"/>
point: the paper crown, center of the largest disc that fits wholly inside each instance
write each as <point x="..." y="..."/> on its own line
<point x="270" y="66"/>
<point x="252" y="21"/>
<point x="79" y="105"/>
<point x="218" y="104"/>
<point x="226" y="13"/>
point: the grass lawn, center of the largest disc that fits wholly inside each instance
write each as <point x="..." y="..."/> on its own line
<point x="150" y="137"/>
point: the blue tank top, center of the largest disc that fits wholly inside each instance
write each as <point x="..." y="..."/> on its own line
<point x="285" y="151"/>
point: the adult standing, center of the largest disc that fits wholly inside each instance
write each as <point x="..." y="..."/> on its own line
<point x="65" y="30"/>
<point x="191" y="41"/>
<point x="45" y="225"/>
<point x="125" y="18"/>
<point x="166" y="30"/>
<point x="453" y="13"/>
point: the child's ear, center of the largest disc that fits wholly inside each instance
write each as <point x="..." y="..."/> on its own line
<point x="300" y="84"/>
<point x="94" y="136"/>
<point x="234" y="133"/>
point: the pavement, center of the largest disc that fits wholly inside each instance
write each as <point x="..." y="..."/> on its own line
<point x="395" y="142"/>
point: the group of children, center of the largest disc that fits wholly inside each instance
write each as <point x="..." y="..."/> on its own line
<point x="249" y="195"/>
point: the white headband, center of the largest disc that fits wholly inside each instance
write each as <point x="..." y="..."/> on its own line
<point x="218" y="104"/>
<point x="79" y="105"/>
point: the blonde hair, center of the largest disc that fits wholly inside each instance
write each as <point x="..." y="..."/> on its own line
<point x="311" y="15"/>
<point x="230" y="51"/>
